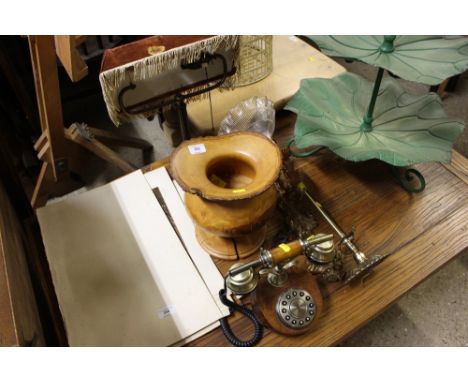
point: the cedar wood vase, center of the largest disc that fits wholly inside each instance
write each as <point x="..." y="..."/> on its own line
<point x="229" y="189"/>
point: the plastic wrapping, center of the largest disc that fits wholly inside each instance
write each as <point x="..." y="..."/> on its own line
<point x="254" y="114"/>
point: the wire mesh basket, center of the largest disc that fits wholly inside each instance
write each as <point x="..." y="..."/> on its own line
<point x="255" y="59"/>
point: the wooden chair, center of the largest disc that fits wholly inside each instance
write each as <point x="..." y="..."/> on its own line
<point x="58" y="147"/>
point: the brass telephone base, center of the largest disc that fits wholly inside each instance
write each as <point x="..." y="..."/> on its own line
<point x="231" y="248"/>
<point x="266" y="298"/>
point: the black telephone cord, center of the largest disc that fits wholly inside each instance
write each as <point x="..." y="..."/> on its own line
<point x="227" y="331"/>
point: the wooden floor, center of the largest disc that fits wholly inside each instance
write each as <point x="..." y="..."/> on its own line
<point x="421" y="232"/>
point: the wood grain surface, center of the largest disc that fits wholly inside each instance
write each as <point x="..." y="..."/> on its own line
<point x="19" y="318"/>
<point x="459" y="166"/>
<point x="67" y="52"/>
<point x="421" y="232"/>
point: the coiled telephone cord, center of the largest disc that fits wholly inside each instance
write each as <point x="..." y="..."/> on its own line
<point x="227" y="331"/>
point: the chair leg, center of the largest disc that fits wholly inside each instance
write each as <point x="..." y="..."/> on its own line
<point x="99" y="149"/>
<point x="47" y="187"/>
<point x="116" y="139"/>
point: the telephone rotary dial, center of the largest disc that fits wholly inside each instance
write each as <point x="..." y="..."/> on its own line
<point x="296" y="308"/>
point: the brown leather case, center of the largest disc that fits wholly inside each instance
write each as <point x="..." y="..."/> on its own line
<point x="121" y="55"/>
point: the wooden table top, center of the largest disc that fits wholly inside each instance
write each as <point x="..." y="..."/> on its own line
<point x="422" y="232"/>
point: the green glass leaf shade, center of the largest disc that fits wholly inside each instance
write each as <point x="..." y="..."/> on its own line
<point x="406" y="129"/>
<point x="424" y="59"/>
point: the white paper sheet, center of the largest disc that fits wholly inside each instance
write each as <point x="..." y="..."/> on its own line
<point x="121" y="274"/>
<point x="205" y="265"/>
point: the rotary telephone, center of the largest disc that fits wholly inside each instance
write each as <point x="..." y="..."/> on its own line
<point x="285" y="297"/>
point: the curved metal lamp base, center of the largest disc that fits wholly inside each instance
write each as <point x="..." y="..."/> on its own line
<point x="411" y="179"/>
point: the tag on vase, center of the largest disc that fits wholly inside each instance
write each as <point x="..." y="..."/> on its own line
<point x="197" y="149"/>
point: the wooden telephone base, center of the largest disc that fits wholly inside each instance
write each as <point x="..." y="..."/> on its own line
<point x="57" y="147"/>
<point x="265" y="298"/>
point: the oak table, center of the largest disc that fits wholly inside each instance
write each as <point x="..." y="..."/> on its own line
<point x="421" y="232"/>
